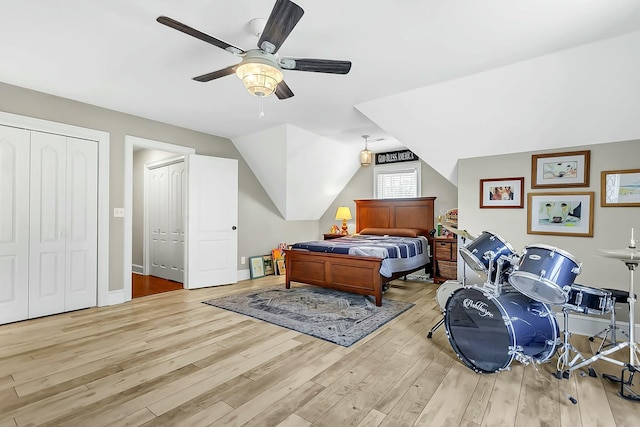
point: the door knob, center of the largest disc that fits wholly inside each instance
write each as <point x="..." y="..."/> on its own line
<point x="234" y="227"/>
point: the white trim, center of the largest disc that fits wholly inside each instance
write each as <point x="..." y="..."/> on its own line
<point x="116" y="297"/>
<point x="137" y="269"/>
<point x="103" y="140"/>
<point x="244" y="275"/>
<point x="129" y="143"/>
<point x="580" y="324"/>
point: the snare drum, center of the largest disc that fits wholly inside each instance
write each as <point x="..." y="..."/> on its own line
<point x="445" y="290"/>
<point x="483" y="253"/>
<point x="589" y="300"/>
<point x="543" y="272"/>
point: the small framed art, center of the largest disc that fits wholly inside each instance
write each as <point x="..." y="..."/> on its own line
<point x="620" y="188"/>
<point x="560" y="214"/>
<point x="256" y="266"/>
<point x="268" y="265"/>
<point x="502" y="193"/>
<point x="570" y="169"/>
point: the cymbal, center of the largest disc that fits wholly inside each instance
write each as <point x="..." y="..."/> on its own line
<point x="625" y="254"/>
<point x="462" y="233"/>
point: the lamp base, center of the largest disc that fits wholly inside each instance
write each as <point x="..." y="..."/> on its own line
<point x="344" y="231"/>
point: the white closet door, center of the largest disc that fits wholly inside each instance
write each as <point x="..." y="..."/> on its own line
<point x="81" y="255"/>
<point x="158" y="221"/>
<point x="177" y="185"/>
<point x="14" y="224"/>
<point x="47" y="224"/>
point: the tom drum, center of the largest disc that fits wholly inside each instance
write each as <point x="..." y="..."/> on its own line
<point x="483" y="253"/>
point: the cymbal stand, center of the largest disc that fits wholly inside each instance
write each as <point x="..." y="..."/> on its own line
<point x="632" y="367"/>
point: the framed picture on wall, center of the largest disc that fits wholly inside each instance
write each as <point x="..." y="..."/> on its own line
<point x="256" y="266"/>
<point x="570" y="169"/>
<point x="620" y="188"/>
<point x="502" y="193"/>
<point x="560" y="214"/>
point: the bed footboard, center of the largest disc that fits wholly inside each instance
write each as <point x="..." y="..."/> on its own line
<point x="356" y="274"/>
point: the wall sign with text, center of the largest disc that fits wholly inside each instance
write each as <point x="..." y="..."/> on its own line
<point x="396" y="157"/>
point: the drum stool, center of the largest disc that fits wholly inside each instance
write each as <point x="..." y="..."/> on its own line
<point x="618" y="297"/>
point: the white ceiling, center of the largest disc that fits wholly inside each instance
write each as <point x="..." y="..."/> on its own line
<point x="113" y="53"/>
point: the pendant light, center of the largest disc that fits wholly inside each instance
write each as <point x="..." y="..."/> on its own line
<point x="365" y="155"/>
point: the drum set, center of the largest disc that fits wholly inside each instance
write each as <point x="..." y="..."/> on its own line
<point x="511" y="317"/>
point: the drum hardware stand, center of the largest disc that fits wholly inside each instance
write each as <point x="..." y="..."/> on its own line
<point x="567" y="348"/>
<point x="611" y="329"/>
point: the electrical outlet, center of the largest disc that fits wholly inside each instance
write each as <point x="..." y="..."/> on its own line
<point x="243" y="260"/>
<point x="118" y="212"/>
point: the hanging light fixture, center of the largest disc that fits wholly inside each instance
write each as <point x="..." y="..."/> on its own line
<point x="365" y="155"/>
<point x="259" y="73"/>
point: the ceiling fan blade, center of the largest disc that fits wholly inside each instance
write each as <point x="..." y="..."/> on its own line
<point x="199" y="35"/>
<point x="284" y="17"/>
<point x="283" y="91"/>
<point x="316" y="65"/>
<point x="216" y="74"/>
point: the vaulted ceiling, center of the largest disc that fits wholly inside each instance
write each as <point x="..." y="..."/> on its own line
<point x="461" y="79"/>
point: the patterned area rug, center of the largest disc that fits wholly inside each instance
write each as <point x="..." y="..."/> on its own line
<point x="339" y="317"/>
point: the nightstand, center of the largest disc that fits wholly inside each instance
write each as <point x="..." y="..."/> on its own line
<point x="445" y="259"/>
<point x="330" y="236"/>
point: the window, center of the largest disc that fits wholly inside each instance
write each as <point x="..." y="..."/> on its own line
<point x="397" y="181"/>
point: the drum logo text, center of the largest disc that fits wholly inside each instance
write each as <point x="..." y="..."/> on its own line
<point x="478" y="305"/>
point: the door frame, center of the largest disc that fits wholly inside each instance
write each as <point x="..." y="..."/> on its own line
<point x="131" y="142"/>
<point x="103" y="140"/>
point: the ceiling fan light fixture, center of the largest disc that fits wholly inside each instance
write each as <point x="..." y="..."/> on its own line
<point x="260" y="78"/>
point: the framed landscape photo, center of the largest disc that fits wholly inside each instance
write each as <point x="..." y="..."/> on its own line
<point x="268" y="265"/>
<point x="560" y="214"/>
<point x="570" y="169"/>
<point x="620" y="188"/>
<point x="256" y="267"/>
<point x="502" y="193"/>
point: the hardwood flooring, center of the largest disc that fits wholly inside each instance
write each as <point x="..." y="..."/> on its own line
<point x="142" y="286"/>
<point x="167" y="359"/>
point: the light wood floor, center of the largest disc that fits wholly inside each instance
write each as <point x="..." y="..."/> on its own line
<point x="168" y="359"/>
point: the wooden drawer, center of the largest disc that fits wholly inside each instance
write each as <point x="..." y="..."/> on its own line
<point x="446" y="250"/>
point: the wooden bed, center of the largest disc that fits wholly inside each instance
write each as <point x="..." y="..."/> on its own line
<point x="360" y="274"/>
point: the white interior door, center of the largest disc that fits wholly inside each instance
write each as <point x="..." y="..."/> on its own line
<point x="176" y="205"/>
<point x="158" y="221"/>
<point x="212" y="239"/>
<point x="14" y="224"/>
<point x="47" y="224"/>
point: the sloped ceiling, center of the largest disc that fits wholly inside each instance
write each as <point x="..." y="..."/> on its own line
<point x="460" y="78"/>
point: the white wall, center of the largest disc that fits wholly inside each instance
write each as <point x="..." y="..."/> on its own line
<point x="612" y="225"/>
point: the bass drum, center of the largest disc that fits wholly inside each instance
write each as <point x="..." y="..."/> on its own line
<point x="485" y="341"/>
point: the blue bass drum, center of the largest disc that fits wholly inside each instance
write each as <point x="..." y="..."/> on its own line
<point x="545" y="273"/>
<point x="478" y="254"/>
<point x="488" y="331"/>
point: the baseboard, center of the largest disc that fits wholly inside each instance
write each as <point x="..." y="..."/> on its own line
<point x="244" y="274"/>
<point x="138" y="269"/>
<point x="116" y="297"/>
<point x="589" y="326"/>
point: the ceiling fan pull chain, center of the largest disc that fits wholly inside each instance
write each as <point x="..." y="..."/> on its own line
<point x="260" y="107"/>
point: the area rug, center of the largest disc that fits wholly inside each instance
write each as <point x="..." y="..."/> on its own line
<point x="339" y="317"/>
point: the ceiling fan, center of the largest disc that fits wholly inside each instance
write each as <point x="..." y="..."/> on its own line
<point x="261" y="69"/>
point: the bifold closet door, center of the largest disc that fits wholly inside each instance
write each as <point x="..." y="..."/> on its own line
<point x="14" y="224"/>
<point x="166" y="221"/>
<point x="63" y="224"/>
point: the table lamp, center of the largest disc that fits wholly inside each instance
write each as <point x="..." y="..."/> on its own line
<point x="343" y="213"/>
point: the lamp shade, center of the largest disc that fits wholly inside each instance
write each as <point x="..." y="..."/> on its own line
<point x="260" y="78"/>
<point x="365" y="157"/>
<point x="343" y="213"/>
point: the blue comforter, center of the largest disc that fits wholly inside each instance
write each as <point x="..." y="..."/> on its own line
<point x="367" y="245"/>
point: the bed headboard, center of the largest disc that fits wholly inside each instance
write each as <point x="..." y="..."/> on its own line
<point x="395" y="213"/>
